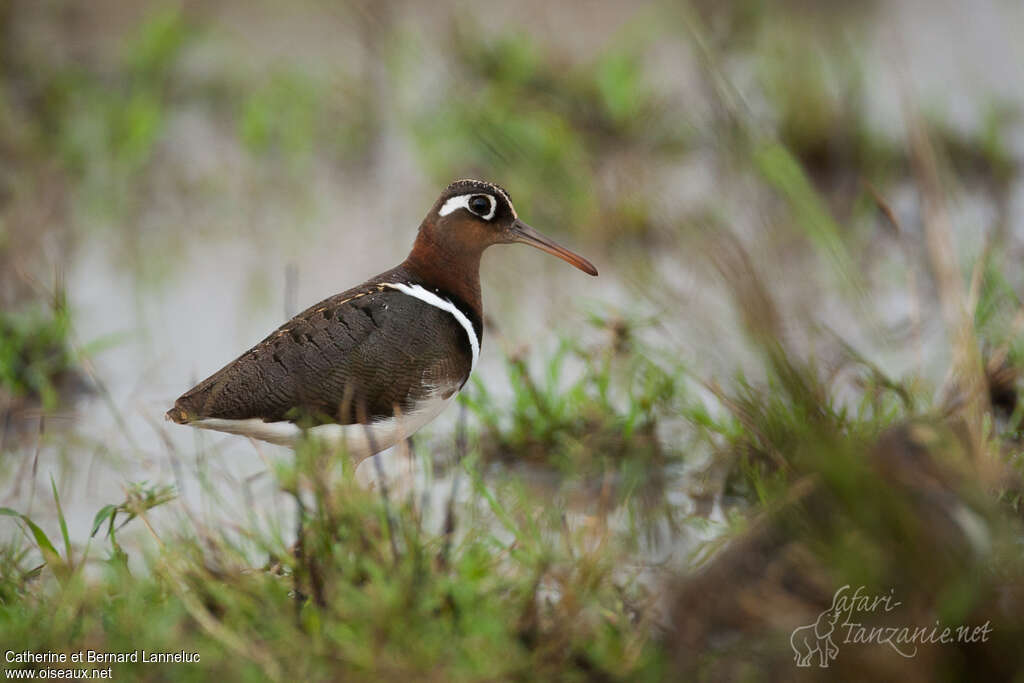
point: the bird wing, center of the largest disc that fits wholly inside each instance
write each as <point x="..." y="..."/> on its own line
<point x="356" y="357"/>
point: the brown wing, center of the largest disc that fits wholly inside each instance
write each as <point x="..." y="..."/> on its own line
<point x="351" y="358"/>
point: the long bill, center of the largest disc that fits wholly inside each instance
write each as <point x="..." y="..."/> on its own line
<point x="521" y="232"/>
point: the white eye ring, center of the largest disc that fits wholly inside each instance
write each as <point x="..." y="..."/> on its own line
<point x="462" y="202"/>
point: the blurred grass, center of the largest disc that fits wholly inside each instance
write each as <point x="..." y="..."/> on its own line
<point x="823" y="468"/>
<point x="360" y="610"/>
<point x="33" y="354"/>
<point x="619" y="394"/>
<point x="37" y="362"/>
<point x="521" y="115"/>
<point x="105" y="130"/>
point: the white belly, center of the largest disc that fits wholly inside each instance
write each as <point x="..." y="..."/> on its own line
<point x="358" y="440"/>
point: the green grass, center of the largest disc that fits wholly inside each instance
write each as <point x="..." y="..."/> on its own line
<point x="504" y="587"/>
<point x="517" y="113"/>
<point x="36" y="354"/>
<point x="609" y="408"/>
<point x="104" y="131"/>
<point x="569" y="546"/>
<point x="369" y="593"/>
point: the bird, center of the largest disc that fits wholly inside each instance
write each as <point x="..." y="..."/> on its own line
<point x="365" y="369"/>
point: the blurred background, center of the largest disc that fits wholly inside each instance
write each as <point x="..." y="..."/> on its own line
<point x="772" y="191"/>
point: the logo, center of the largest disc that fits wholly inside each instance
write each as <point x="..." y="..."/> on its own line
<point x="843" y="622"/>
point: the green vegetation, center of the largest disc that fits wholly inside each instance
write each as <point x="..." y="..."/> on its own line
<point x="281" y="116"/>
<point x="525" y="117"/>
<point x="611" y="410"/>
<point x="816" y="384"/>
<point x="106" y="132"/>
<point x="35" y="354"/>
<point x="367" y="593"/>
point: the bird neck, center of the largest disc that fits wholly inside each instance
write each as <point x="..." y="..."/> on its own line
<point x="454" y="269"/>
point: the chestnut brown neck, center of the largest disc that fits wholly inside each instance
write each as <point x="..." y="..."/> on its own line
<point x="453" y="268"/>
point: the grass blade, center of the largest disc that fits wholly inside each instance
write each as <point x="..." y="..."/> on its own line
<point x="52" y="558"/>
<point x="63" y="523"/>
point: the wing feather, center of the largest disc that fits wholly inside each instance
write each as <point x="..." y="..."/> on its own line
<point x="355" y="357"/>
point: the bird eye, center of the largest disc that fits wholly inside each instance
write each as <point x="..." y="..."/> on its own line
<point x="480" y="205"/>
